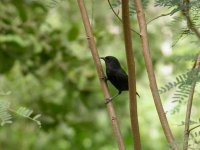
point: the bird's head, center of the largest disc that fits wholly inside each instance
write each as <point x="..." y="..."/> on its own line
<point x="111" y="61"/>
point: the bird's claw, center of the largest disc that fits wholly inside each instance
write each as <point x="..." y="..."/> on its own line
<point x="108" y="100"/>
<point x="104" y="78"/>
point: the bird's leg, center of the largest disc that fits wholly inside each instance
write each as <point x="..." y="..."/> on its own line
<point x="108" y="100"/>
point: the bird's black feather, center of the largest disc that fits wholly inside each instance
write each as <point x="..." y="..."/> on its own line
<point x="115" y="74"/>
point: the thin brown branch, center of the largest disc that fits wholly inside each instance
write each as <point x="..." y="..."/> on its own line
<point x="151" y="75"/>
<point x="119" y="17"/>
<point x="162" y="15"/>
<point x="189" y="105"/>
<point x="193" y="128"/>
<point x="186" y="14"/>
<point x="95" y="55"/>
<point x="187" y="118"/>
<point x="131" y="75"/>
<point x="191" y="26"/>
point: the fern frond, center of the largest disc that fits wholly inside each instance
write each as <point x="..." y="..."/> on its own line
<point x="167" y="3"/>
<point x="184" y="89"/>
<point x="181" y="94"/>
<point x="5" y="117"/>
<point x="180" y="81"/>
<point x="25" y="112"/>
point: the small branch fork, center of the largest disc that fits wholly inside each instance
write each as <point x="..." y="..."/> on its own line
<point x="193" y="128"/>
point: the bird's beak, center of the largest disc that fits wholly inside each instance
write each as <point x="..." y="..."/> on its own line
<point x="102" y="58"/>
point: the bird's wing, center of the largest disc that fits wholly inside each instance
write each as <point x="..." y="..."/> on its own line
<point x="121" y="75"/>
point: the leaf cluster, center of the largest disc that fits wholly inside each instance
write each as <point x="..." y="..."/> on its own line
<point x="180" y="7"/>
<point x="6" y="110"/>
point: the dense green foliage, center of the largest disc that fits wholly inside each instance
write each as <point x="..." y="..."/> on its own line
<point x="46" y="66"/>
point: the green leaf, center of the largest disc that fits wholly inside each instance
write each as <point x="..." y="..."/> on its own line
<point x="36" y="116"/>
<point x="21" y="9"/>
<point x="38" y="123"/>
<point x="73" y="33"/>
<point x="6" y="62"/>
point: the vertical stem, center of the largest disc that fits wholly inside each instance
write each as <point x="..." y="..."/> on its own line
<point x="187" y="118"/>
<point x="95" y="55"/>
<point x="191" y="26"/>
<point x="131" y="75"/>
<point x="151" y="75"/>
<point x="189" y="105"/>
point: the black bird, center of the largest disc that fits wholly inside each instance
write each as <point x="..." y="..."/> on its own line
<point x="116" y="75"/>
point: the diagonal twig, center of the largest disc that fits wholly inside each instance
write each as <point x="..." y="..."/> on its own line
<point x="162" y="15"/>
<point x="119" y="17"/>
<point x="95" y="55"/>
<point x="193" y="128"/>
